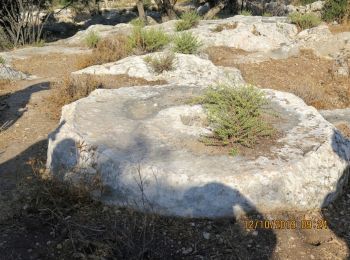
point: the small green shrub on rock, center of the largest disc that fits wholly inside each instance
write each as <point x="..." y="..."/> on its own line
<point x="186" y="43"/>
<point x="148" y="40"/>
<point x="188" y="20"/>
<point x="305" y="21"/>
<point x="164" y="62"/>
<point x="92" y="39"/>
<point x="336" y="10"/>
<point x="246" y="13"/>
<point x="235" y="115"/>
<point x="2" y="61"/>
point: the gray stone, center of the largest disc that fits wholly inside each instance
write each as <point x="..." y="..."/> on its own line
<point x="187" y="69"/>
<point x="136" y="143"/>
<point x="6" y="72"/>
<point x="203" y="9"/>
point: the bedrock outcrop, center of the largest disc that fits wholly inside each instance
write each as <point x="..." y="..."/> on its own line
<point x="140" y="144"/>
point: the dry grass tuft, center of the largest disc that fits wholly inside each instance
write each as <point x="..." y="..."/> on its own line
<point x="225" y="26"/>
<point x="163" y="62"/>
<point x="73" y="88"/>
<point x="107" y="50"/>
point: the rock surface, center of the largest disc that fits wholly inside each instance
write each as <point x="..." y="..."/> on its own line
<point x="188" y="69"/>
<point x="139" y="142"/>
<point x="6" y="72"/>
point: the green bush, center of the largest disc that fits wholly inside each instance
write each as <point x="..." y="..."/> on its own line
<point x="186" y="43"/>
<point x="305" y="21"/>
<point x="148" y="40"/>
<point x="2" y="61"/>
<point x="235" y="115"/>
<point x="92" y="39"/>
<point x="164" y="62"/>
<point x="188" y="20"/>
<point x="246" y="13"/>
<point x="336" y="10"/>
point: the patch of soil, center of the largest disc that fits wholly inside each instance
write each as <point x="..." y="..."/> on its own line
<point x="305" y="75"/>
<point x="224" y="56"/>
<point x="339" y="28"/>
<point x="344" y="129"/>
<point x="54" y="65"/>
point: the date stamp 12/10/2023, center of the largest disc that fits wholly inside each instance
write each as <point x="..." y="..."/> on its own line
<point x="286" y="224"/>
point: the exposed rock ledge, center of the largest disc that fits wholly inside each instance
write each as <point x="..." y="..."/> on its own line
<point x="136" y="137"/>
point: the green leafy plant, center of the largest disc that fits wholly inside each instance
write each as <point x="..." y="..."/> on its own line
<point x="336" y="10"/>
<point x="246" y="13"/>
<point x="148" y="40"/>
<point x="161" y="62"/>
<point x="92" y="39"/>
<point x="188" y="20"/>
<point x="2" y="61"/>
<point x="235" y="115"/>
<point x="305" y="21"/>
<point x="186" y="43"/>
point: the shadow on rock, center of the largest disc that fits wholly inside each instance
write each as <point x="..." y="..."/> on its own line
<point x="337" y="213"/>
<point x="257" y="243"/>
<point x="12" y="106"/>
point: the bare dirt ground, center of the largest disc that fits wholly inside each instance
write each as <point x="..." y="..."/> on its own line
<point x="46" y="220"/>
<point x="306" y="75"/>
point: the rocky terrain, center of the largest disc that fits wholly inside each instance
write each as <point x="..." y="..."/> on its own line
<point x="138" y="144"/>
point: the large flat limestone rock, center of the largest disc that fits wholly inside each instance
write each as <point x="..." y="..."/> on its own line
<point x="187" y="69"/>
<point x="136" y="142"/>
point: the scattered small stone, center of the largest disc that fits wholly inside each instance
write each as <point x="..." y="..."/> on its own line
<point x="206" y="235"/>
<point x="186" y="251"/>
<point x="255" y="233"/>
<point x="59" y="246"/>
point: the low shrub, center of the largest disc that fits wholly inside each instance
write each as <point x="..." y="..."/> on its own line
<point x="267" y="14"/>
<point x="137" y="22"/>
<point x="2" y="61"/>
<point x="163" y="62"/>
<point x="188" y="20"/>
<point x="186" y="43"/>
<point x="148" y="40"/>
<point x="92" y="39"/>
<point x="246" y="13"/>
<point x="305" y="21"/>
<point x="336" y="10"/>
<point x="107" y="50"/>
<point x="235" y="115"/>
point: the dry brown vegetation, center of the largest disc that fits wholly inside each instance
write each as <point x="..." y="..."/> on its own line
<point x="305" y="75"/>
<point x="339" y="28"/>
<point x="73" y="88"/>
<point x="225" y="26"/>
<point x="160" y="63"/>
<point x="107" y="50"/>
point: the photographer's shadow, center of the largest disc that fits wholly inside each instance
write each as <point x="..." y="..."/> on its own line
<point x="207" y="200"/>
